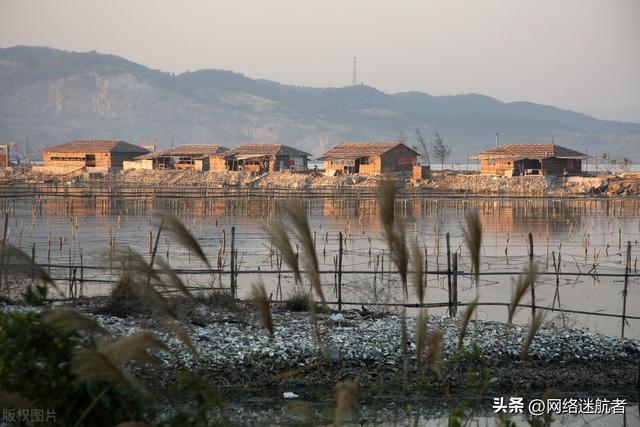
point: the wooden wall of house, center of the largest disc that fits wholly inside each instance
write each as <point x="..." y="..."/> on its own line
<point x="116" y="159"/>
<point x="496" y="166"/>
<point x="398" y="159"/>
<point x="557" y="167"/>
<point x="277" y="163"/>
<point x="374" y="165"/>
<point x="330" y="167"/>
<point x="217" y="164"/>
<point x="201" y="165"/>
<point x="77" y="159"/>
<point x="4" y="156"/>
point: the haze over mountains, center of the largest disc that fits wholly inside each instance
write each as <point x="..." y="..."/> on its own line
<point x="51" y="96"/>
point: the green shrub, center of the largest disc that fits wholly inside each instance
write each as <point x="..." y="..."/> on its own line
<point x="35" y="363"/>
<point x="220" y="299"/>
<point x="297" y="301"/>
<point x="123" y="301"/>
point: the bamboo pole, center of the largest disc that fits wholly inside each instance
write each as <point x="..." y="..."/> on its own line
<point x="627" y="269"/>
<point x="533" y="290"/>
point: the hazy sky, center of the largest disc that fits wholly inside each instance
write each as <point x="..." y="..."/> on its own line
<point x="580" y="54"/>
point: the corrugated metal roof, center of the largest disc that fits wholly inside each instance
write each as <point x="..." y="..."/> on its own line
<point x="265" y="150"/>
<point x="530" y="151"/>
<point x="97" y="146"/>
<point x="353" y="150"/>
<point x="188" y="150"/>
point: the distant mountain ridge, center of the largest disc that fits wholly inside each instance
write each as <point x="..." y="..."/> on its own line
<point x="50" y="96"/>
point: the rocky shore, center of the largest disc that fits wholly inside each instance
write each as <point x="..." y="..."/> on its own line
<point x="440" y="182"/>
<point x="236" y="352"/>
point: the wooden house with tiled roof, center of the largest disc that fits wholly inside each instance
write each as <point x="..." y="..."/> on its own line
<point x="90" y="155"/>
<point x="200" y="157"/>
<point x="530" y="159"/>
<point x="266" y="158"/>
<point x="369" y="158"/>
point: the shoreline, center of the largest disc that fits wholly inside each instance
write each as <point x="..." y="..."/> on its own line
<point x="237" y="354"/>
<point x="192" y="184"/>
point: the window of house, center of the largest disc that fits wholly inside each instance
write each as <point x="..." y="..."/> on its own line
<point x="68" y="159"/>
<point x="365" y="160"/>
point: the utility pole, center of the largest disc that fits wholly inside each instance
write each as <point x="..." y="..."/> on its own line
<point x="354" y="81"/>
<point x="497" y="139"/>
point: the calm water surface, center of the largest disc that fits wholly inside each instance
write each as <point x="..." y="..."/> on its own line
<point x="590" y="235"/>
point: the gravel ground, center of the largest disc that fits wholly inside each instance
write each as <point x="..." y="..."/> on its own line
<point x="238" y="352"/>
<point x="238" y="355"/>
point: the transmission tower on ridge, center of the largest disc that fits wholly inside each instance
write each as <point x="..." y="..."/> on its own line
<point x="355" y="72"/>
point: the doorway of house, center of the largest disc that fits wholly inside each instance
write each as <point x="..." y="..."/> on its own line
<point x="90" y="160"/>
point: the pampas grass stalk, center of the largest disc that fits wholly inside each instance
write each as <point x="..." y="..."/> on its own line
<point x="473" y="236"/>
<point x="93" y="365"/>
<point x="277" y="232"/>
<point x="72" y="319"/>
<point x="173" y="281"/>
<point x="302" y="231"/>
<point x="535" y="325"/>
<point x="173" y="225"/>
<point x="347" y="395"/>
<point x="143" y="280"/>
<point x="259" y="294"/>
<point x="311" y="309"/>
<point x="525" y="281"/>
<point x="434" y="351"/>
<point x="417" y="264"/>
<point x="14" y="262"/>
<point x="466" y="318"/>
<point x="393" y="233"/>
<point x="174" y="327"/>
<point x="421" y="336"/>
<point x="133" y="347"/>
<point x="404" y="336"/>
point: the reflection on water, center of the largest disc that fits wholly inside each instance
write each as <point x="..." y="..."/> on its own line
<point x="590" y="235"/>
<point x="416" y="411"/>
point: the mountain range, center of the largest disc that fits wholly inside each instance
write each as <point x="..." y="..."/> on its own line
<point x="50" y="96"/>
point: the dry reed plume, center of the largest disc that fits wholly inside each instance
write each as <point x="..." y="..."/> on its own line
<point x="279" y="235"/>
<point x="132" y="347"/>
<point x="259" y="294"/>
<point x="347" y="395"/>
<point x="534" y="326"/>
<point x="524" y="283"/>
<point x="15" y="263"/>
<point x="144" y="280"/>
<point x="434" y="351"/>
<point x="173" y="225"/>
<point x="393" y="233"/>
<point x="473" y="236"/>
<point x="421" y="336"/>
<point x="93" y="365"/>
<point x="303" y="234"/>
<point x="417" y="260"/>
<point x="71" y="319"/>
<point x="404" y="337"/>
<point x="466" y="318"/>
<point x="280" y="238"/>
